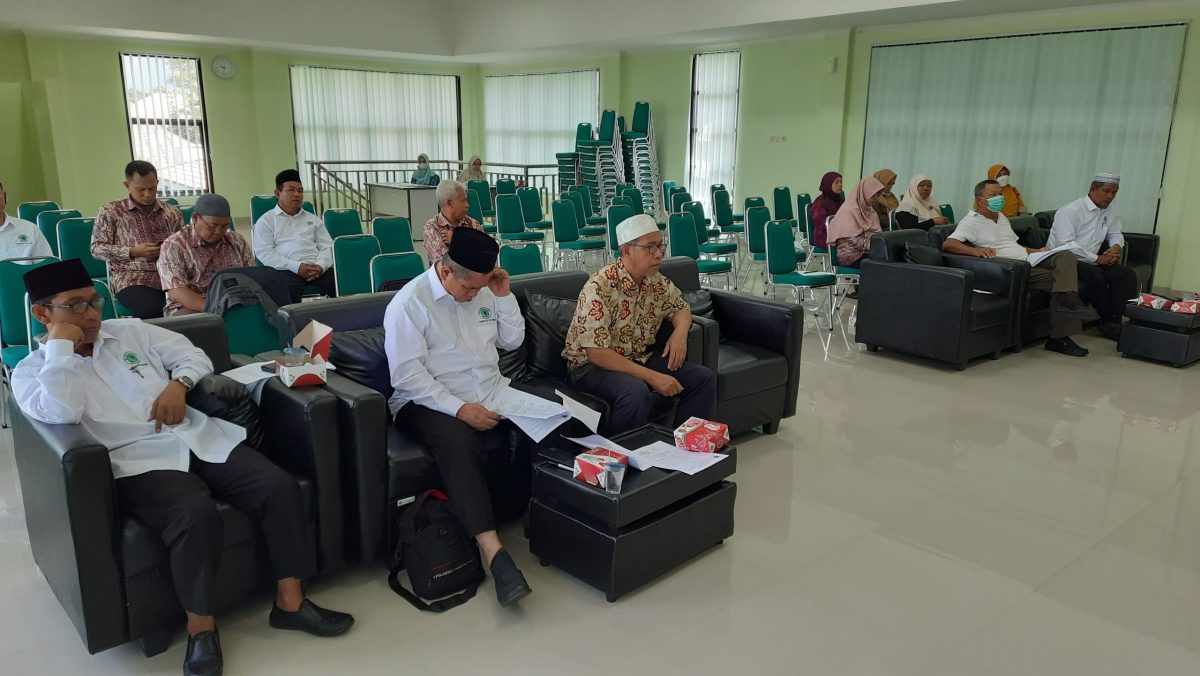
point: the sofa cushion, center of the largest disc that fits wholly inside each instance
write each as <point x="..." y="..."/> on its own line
<point x="546" y="325"/>
<point x="920" y="254"/>
<point x="359" y="355"/>
<point x="988" y="310"/>
<point x="745" y="369"/>
<point x="700" y="301"/>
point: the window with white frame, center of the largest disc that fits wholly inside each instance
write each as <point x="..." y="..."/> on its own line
<point x="164" y="103"/>
<point x="342" y="114"/>
<point x="712" y="145"/>
<point x="529" y="118"/>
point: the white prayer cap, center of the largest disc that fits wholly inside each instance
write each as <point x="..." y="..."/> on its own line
<point x="1107" y="177"/>
<point x="633" y="227"/>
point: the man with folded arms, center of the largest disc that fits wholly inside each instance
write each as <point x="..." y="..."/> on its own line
<point x="191" y="257"/>
<point x="295" y="242"/>
<point x="621" y="309"/>
<point x="125" y="382"/>
<point x="986" y="233"/>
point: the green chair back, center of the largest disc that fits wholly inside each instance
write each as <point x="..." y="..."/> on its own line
<point x="393" y="267"/>
<point x="521" y="260"/>
<point x="722" y="209"/>
<point x="623" y="201"/>
<point x="352" y="256"/>
<point x="12" y="305"/>
<point x="712" y="189"/>
<point x="948" y="212"/>
<point x="531" y="204"/>
<point x="616" y="214"/>
<point x="679" y="199"/>
<point x="804" y="211"/>
<point x="583" y="132"/>
<point x="696" y="209"/>
<point x="28" y="211"/>
<point x="566" y="225"/>
<point x="394" y="234"/>
<point x="753" y="202"/>
<point x="635" y="200"/>
<point x="249" y="331"/>
<point x="667" y="187"/>
<point x="506" y="186"/>
<point x="586" y="193"/>
<point x="641" y="117"/>
<point x="756" y="229"/>
<point x="170" y="200"/>
<point x="783" y="204"/>
<point x="509" y="217"/>
<point x="608" y="125"/>
<point x="342" y="222"/>
<point x="485" y="193"/>
<point x="781" y="247"/>
<point x="576" y="200"/>
<point x="187" y="212"/>
<point x="74" y="240"/>
<point x="682" y="230"/>
<point x="261" y="204"/>
<point x="47" y="222"/>
<point x="474" y="208"/>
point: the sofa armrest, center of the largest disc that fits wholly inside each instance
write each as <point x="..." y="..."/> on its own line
<point x="778" y="327"/>
<point x="710" y="341"/>
<point x="918" y="309"/>
<point x="74" y="530"/>
<point x="1000" y="276"/>
<point x="1142" y="249"/>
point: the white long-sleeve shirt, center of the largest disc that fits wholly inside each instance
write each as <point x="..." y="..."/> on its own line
<point x="112" y="392"/>
<point x="284" y="242"/>
<point x="442" y="353"/>
<point x="1087" y="225"/>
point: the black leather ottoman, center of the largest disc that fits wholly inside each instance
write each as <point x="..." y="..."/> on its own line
<point x="1160" y="335"/>
<point x="617" y="543"/>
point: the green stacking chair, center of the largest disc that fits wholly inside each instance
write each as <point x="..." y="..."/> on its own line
<point x="566" y="236"/>
<point x="531" y="208"/>
<point x="261" y="204"/>
<point x="248" y="330"/>
<point x="476" y="212"/>
<point x="581" y="220"/>
<point x="623" y="201"/>
<point x="616" y="214"/>
<point x="485" y="197"/>
<point x="505" y="186"/>
<point x="948" y="212"/>
<point x="521" y="260"/>
<point x="12" y="308"/>
<point x="170" y="200"/>
<point x="352" y="256"/>
<point x="667" y="186"/>
<point x="804" y="211"/>
<point x="783" y="204"/>
<point x="583" y="132"/>
<point x="783" y="272"/>
<point x="703" y="234"/>
<point x="395" y="267"/>
<point x="674" y="200"/>
<point x="681" y="228"/>
<point x="723" y="214"/>
<point x="589" y="216"/>
<point x="510" y="221"/>
<point x="187" y="211"/>
<point x="394" y="234"/>
<point x="47" y="222"/>
<point x="28" y="211"/>
<point x="74" y="240"/>
<point x="756" y="239"/>
<point x="342" y="222"/>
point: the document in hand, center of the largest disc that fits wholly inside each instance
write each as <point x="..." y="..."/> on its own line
<point x="1038" y="257"/>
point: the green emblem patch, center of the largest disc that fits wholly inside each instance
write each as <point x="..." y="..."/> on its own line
<point x="484" y="314"/>
<point x="22" y="239"/>
<point x="131" y="358"/>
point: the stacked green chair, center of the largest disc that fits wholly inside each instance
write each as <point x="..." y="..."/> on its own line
<point x="667" y="186"/>
<point x="681" y="231"/>
<point x="948" y="212"/>
<point x="485" y="197"/>
<point x="475" y="211"/>
<point x="566" y="236"/>
<point x="568" y="170"/>
<point x="170" y="200"/>
<point x="531" y="208"/>
<point x="74" y="240"/>
<point x="352" y="256"/>
<point x="783" y="204"/>
<point x="616" y="214"/>
<point x="28" y="211"/>
<point x="510" y="221"/>
<point x="576" y="199"/>
<point x="186" y="213"/>
<point x="521" y="260"/>
<point x="342" y="222"/>
<point x="47" y="222"/>
<point x="783" y="272"/>
<point x="640" y="156"/>
<point x="12" y="309"/>
<point x="674" y="200"/>
<point x="394" y="234"/>
<point x="395" y="267"/>
<point x="589" y="213"/>
<point x="505" y="186"/>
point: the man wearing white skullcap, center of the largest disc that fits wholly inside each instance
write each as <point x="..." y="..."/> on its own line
<point x="613" y="347"/>
<point x="1091" y="225"/>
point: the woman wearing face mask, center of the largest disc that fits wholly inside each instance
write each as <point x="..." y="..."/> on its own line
<point x="423" y="175"/>
<point x="826" y="205"/>
<point x="851" y="229"/>
<point x="1013" y="204"/>
<point x="473" y="172"/>
<point x="918" y="209"/>
<point x="886" y="202"/>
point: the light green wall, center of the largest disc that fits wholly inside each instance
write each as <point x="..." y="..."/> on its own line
<point x="664" y="79"/>
<point x="21" y="171"/>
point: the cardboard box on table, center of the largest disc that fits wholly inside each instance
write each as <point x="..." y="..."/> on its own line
<point x="315" y="338"/>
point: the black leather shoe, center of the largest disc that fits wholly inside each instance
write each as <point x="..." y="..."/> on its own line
<point x="510" y="581"/>
<point x="1110" y="330"/>
<point x="1066" y="346"/>
<point x="313" y="619"/>
<point x="203" y="656"/>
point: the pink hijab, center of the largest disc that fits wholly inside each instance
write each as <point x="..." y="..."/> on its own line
<point x="856" y="214"/>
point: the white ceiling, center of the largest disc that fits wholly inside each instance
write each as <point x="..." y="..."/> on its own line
<point x="485" y="31"/>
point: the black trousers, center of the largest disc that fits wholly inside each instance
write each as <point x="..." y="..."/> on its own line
<point x="144" y="302"/>
<point x="182" y="507"/>
<point x="629" y="395"/>
<point x="295" y="284"/>
<point x="1108" y="288"/>
<point x="463" y="455"/>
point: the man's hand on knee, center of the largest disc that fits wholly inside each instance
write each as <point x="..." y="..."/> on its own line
<point x="478" y="417"/>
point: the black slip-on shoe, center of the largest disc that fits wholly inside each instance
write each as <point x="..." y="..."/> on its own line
<point x="510" y="581"/>
<point x="312" y="619"/>
<point x="1066" y="346"/>
<point x="203" y="656"/>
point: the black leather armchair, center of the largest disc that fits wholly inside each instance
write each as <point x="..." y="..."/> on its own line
<point x="111" y="573"/>
<point x="937" y="311"/>
<point x="754" y="346"/>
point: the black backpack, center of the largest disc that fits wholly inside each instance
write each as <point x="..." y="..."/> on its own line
<point x="441" y="560"/>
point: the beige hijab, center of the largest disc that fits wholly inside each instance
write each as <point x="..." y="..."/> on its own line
<point x="469" y="173"/>
<point x="887" y="199"/>
<point x="912" y="203"/>
<point x="856" y="214"/>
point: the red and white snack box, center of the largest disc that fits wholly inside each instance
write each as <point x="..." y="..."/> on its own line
<point x="589" y="465"/>
<point x="315" y="338"/>
<point x="1186" y="307"/>
<point x="1152" y="301"/>
<point x="702" y="436"/>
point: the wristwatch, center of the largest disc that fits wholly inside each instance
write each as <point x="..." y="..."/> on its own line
<point x="186" y="382"/>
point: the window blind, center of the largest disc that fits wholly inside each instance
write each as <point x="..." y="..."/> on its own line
<point x="713" y="143"/>
<point x="529" y="118"/>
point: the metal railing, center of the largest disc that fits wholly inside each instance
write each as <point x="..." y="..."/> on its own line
<point x="342" y="184"/>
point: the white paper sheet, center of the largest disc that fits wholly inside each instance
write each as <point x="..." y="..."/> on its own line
<point x="539" y="428"/>
<point x="597" y="441"/>
<point x="583" y="414"/>
<point x="1035" y="258"/>
<point x="513" y="403"/>
<point x="662" y="455"/>
<point x="250" y="373"/>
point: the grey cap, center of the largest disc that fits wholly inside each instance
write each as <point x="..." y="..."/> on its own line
<point x="210" y="204"/>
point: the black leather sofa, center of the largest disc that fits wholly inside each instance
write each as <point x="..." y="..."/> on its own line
<point x="935" y="310"/>
<point x="110" y="573"/>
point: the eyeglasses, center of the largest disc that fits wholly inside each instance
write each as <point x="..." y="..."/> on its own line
<point x="82" y="306"/>
<point x="215" y="226"/>
<point x="661" y="247"/>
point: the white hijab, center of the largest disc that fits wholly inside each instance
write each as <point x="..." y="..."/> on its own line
<point x="912" y="203"/>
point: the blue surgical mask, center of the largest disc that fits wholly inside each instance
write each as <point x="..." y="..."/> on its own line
<point x="996" y="203"/>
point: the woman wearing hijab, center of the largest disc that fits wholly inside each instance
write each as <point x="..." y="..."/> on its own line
<point x="886" y="202"/>
<point x="1013" y="204"/>
<point x="423" y="175"/>
<point x="826" y="205"/>
<point x="918" y="209"/>
<point x="473" y="172"/>
<point x="851" y="229"/>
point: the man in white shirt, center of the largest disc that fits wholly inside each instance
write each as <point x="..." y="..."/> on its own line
<point x="125" y="383"/>
<point x="442" y="331"/>
<point x="986" y="233"/>
<point x="1089" y="223"/>
<point x="294" y="241"/>
<point x="20" y="238"/>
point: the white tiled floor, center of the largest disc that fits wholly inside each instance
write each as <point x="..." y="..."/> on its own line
<point x="1033" y="515"/>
